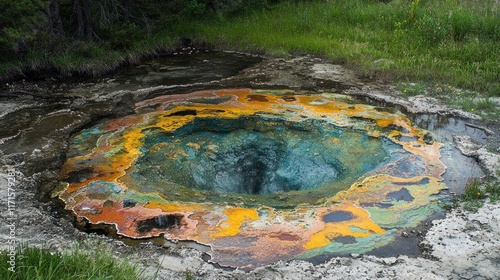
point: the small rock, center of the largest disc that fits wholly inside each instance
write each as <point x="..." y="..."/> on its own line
<point x="390" y="261"/>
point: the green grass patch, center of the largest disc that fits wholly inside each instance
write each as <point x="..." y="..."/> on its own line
<point x="492" y="190"/>
<point x="473" y="195"/>
<point x="87" y="58"/>
<point x="42" y="263"/>
<point x="476" y="192"/>
<point x="433" y="41"/>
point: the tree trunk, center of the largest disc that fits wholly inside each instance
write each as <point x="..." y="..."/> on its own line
<point x="89" y="30"/>
<point x="83" y="19"/>
<point x="54" y="17"/>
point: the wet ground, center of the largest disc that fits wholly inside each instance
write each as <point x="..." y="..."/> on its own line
<point x="37" y="119"/>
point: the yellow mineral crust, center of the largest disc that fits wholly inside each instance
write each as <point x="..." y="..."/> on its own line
<point x="235" y="218"/>
<point x="360" y="219"/>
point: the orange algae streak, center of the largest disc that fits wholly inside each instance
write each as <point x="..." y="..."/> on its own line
<point x="360" y="219"/>
<point x="397" y="121"/>
<point x="123" y="218"/>
<point x="175" y="207"/>
<point x="235" y="219"/>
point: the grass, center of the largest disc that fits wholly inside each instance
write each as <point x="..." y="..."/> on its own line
<point x="452" y="42"/>
<point x="476" y="192"/>
<point x="456" y="42"/>
<point x="473" y="195"/>
<point x="492" y="190"/>
<point x="42" y="263"/>
<point x="86" y="58"/>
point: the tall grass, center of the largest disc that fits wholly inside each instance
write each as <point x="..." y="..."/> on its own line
<point x="88" y="58"/>
<point x="77" y="264"/>
<point x="441" y="41"/>
<point x="475" y="194"/>
<point x="456" y="42"/>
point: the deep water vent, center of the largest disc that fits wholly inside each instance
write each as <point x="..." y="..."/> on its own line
<point x="253" y="155"/>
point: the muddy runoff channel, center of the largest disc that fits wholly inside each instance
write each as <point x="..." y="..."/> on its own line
<point x="230" y="165"/>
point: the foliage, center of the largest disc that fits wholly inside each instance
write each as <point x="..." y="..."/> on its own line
<point x="474" y="195"/>
<point x="42" y="263"/>
<point x="361" y="32"/>
<point x="476" y="192"/>
<point x="432" y="41"/>
<point x="419" y="40"/>
<point x="20" y="23"/>
<point x="454" y="21"/>
<point x="40" y="34"/>
<point x="473" y="190"/>
<point x="26" y="21"/>
<point x="492" y="190"/>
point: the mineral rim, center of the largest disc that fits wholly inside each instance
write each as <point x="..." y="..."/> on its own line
<point x="257" y="175"/>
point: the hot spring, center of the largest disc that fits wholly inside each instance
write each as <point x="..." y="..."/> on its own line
<point x="257" y="175"/>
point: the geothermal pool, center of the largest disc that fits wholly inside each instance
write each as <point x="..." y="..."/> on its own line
<point x="257" y="175"/>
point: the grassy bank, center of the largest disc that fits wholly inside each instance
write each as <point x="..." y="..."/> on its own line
<point x="453" y="42"/>
<point x="77" y="263"/>
<point x="84" y="58"/>
<point x="446" y="41"/>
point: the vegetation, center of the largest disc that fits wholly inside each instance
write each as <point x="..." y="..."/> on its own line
<point x="94" y="37"/>
<point x="42" y="263"/>
<point x="475" y="194"/>
<point x="492" y="190"/>
<point x="428" y="42"/>
<point x="432" y="41"/>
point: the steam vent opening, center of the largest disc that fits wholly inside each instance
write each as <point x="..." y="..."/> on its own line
<point x="259" y="176"/>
